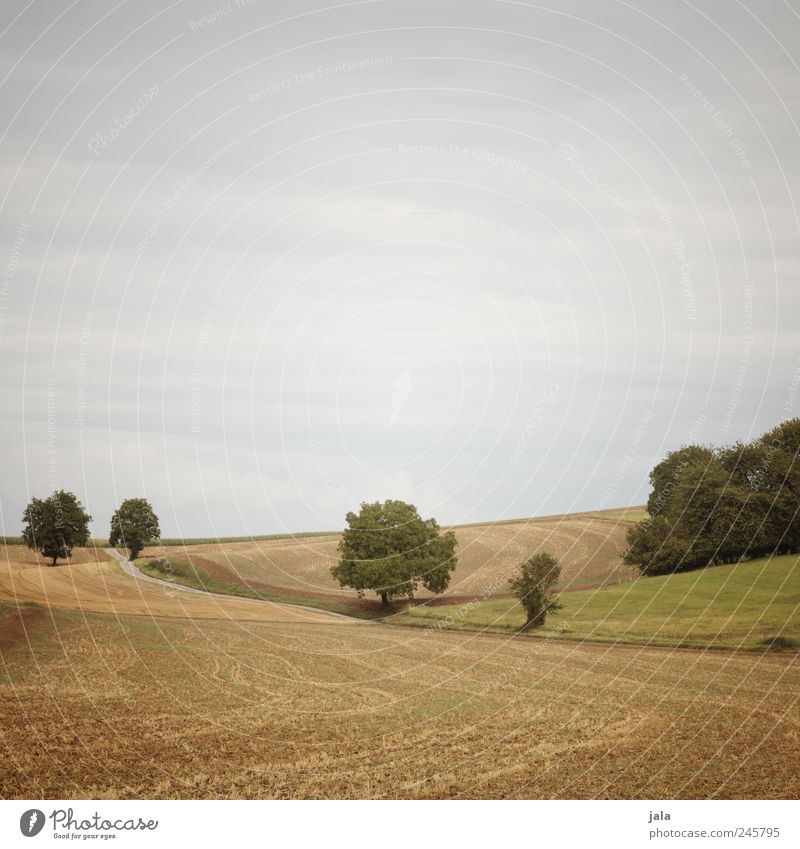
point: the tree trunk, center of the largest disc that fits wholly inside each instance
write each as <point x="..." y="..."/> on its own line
<point x="54" y="560"/>
<point x="384" y="600"/>
<point x="536" y="621"/>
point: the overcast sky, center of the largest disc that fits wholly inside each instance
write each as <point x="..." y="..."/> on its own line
<point x="493" y="258"/>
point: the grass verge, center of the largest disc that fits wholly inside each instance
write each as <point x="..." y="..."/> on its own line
<point x="181" y="572"/>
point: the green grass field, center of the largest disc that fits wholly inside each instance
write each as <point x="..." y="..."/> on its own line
<point x="747" y="605"/>
<point x="635" y="514"/>
<point x="173" y="541"/>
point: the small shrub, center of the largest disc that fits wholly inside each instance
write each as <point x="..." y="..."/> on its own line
<point x="779" y="642"/>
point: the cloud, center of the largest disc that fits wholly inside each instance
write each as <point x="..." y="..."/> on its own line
<point x="219" y="303"/>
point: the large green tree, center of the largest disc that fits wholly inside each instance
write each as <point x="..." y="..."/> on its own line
<point x="54" y="526"/>
<point x="134" y="526"/>
<point x="389" y="549"/>
<point x="656" y="547"/>
<point x="666" y="476"/>
<point x="781" y="447"/>
<point x="534" y="586"/>
<point x="722" y="504"/>
<point x="709" y="518"/>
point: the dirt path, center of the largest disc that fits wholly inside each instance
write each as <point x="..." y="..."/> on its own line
<point x="93" y="584"/>
<point x="129" y="568"/>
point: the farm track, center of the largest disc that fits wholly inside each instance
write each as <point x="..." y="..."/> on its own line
<point x="91" y="585"/>
<point x="129" y="568"/>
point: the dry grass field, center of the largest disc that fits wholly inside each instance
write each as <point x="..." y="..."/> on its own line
<point x="91" y="583"/>
<point x="589" y="545"/>
<point x="102" y="707"/>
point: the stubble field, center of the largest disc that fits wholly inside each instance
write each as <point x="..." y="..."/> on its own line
<point x="91" y="583"/>
<point x="100" y="706"/>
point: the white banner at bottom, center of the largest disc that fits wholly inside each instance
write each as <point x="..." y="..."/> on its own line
<point x="462" y="824"/>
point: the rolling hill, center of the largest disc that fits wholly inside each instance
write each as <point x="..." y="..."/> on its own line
<point x="589" y="545"/>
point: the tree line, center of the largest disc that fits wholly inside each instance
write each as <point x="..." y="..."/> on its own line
<point x="54" y="526"/>
<point x="713" y="505"/>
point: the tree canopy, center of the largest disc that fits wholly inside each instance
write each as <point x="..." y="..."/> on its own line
<point x="389" y="549"/>
<point x="134" y="526"/>
<point x="55" y="525"/>
<point x="721" y="504"/>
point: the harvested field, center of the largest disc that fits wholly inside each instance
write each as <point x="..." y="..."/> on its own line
<point x="590" y="548"/>
<point x="100" y="706"/>
<point x="95" y="586"/>
<point x="24" y="556"/>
